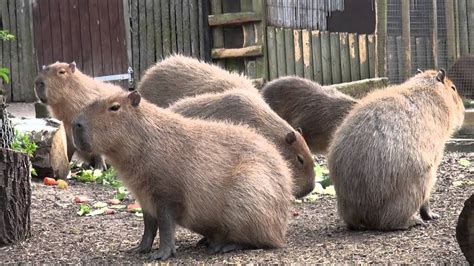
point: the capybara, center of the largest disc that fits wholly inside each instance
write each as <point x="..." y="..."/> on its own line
<point x="240" y="106"/>
<point x="385" y="154"/>
<point x="223" y="181"/>
<point x="65" y="90"/>
<point x="317" y="110"/>
<point x="179" y="76"/>
<point x="462" y="74"/>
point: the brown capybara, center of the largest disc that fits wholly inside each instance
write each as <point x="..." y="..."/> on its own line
<point x="385" y="154"/>
<point x="223" y="181"/>
<point x="66" y="90"/>
<point x="462" y="74"/>
<point x="243" y="107"/>
<point x="317" y="110"/>
<point x="179" y="76"/>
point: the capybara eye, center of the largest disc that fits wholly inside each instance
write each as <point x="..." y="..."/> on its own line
<point x="453" y="87"/>
<point x="114" y="107"/>
<point x="300" y="159"/>
<point x="62" y="72"/>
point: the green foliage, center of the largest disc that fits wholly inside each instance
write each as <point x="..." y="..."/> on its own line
<point x="84" y="209"/>
<point x="5" y="35"/>
<point x="108" y="177"/>
<point x="4" y="74"/>
<point x="464" y="162"/>
<point x="23" y="143"/>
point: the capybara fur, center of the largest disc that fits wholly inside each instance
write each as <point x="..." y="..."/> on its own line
<point x="179" y="76"/>
<point x="385" y="154"/>
<point x="317" y="110"/>
<point x="66" y="90"/>
<point x="462" y="74"/>
<point x="243" y="107"/>
<point x="223" y="181"/>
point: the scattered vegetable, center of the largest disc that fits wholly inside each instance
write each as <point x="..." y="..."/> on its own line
<point x="84" y="209"/>
<point x="81" y="199"/>
<point x="62" y="184"/>
<point x="464" y="162"/>
<point x="135" y="207"/>
<point x="114" y="201"/>
<point x="49" y="181"/>
<point x="99" y="205"/>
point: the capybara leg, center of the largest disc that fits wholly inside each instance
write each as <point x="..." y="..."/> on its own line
<point x="414" y="221"/>
<point x="70" y="149"/>
<point x="203" y="242"/>
<point x="426" y="213"/>
<point x="99" y="162"/>
<point x="167" y="226"/>
<point x="151" y="226"/>
<point x="223" y="248"/>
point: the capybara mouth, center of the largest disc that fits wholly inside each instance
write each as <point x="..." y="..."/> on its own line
<point x="79" y="138"/>
<point x="43" y="100"/>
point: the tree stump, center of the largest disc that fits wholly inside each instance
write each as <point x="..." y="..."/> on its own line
<point x="465" y="230"/>
<point x="50" y="158"/>
<point x="15" y="196"/>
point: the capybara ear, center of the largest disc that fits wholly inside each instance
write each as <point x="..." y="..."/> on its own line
<point x="72" y="66"/>
<point x="135" y="98"/>
<point x="418" y="71"/>
<point x="441" y="75"/>
<point x="290" y="137"/>
<point x="300" y="130"/>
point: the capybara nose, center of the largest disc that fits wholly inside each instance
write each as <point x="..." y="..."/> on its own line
<point x="39" y="84"/>
<point x="77" y="126"/>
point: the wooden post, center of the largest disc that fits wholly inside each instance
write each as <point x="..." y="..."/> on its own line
<point x="406" y="71"/>
<point x="166" y="26"/>
<point x="470" y="22"/>
<point x="463" y="34"/>
<point x="400" y="58"/>
<point x="465" y="230"/>
<point x="298" y="44"/>
<point x="150" y="34"/>
<point x="194" y="27"/>
<point x="381" y="37"/>
<point x="272" y="53"/>
<point x="186" y="28"/>
<point x="27" y="59"/>
<point x="316" y="51"/>
<point x="354" y="56"/>
<point x="15" y="195"/>
<point x="335" y="57"/>
<point x="307" y="59"/>
<point x="326" y="58"/>
<point x="217" y="32"/>
<point x="434" y="33"/>
<point x="363" y="56"/>
<point x="128" y="32"/>
<point x="345" y="57"/>
<point x="290" y="52"/>
<point x="280" y="50"/>
<point x="158" y="30"/>
<point x="135" y="38"/>
<point x="451" y="30"/>
<point x="372" y="58"/>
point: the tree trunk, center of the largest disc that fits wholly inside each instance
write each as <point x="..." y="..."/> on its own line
<point x="15" y="196"/>
<point x="465" y="230"/>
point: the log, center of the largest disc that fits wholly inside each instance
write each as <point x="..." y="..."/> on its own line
<point x="360" y="88"/>
<point x="50" y="158"/>
<point x="465" y="230"/>
<point x="15" y="197"/>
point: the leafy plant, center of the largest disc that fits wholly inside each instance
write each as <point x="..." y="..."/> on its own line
<point x="5" y="35"/>
<point x="108" y="177"/>
<point x="23" y="143"/>
<point x="4" y="74"/>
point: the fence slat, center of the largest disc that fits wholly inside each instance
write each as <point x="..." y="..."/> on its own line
<point x="14" y="68"/>
<point x="363" y="57"/>
<point x="290" y="52"/>
<point x="158" y="31"/>
<point x="392" y="60"/>
<point x="194" y="27"/>
<point x="106" y="48"/>
<point x="335" y="57"/>
<point x="450" y="29"/>
<point x="429" y="55"/>
<point x="55" y="31"/>
<point x="354" y="56"/>
<point x="26" y="65"/>
<point x="174" y="43"/>
<point x="307" y="58"/>
<point x="272" y="53"/>
<point x="186" y="28"/>
<point x="166" y="26"/>
<point x="75" y="35"/>
<point x="298" y="44"/>
<point x="135" y="38"/>
<point x="345" y="57"/>
<point x="316" y="51"/>
<point x="463" y="35"/>
<point x="142" y="36"/>
<point x="6" y="46"/>
<point x="470" y="23"/>
<point x="150" y="34"/>
<point x="96" y="59"/>
<point x="326" y="58"/>
<point x="372" y="57"/>
<point x="66" y="38"/>
<point x="400" y="58"/>
<point x="249" y="32"/>
<point x="179" y="25"/>
<point x="280" y="47"/>
<point x="421" y="52"/>
<point x="217" y="32"/>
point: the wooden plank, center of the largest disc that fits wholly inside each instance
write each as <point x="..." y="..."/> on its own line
<point x="400" y="58"/>
<point x="450" y="29"/>
<point x="345" y="57"/>
<point x="442" y="60"/>
<point x="150" y="33"/>
<point x="272" y="53"/>
<point x="429" y="56"/>
<point x="335" y="57"/>
<point x="456" y="26"/>
<point x="158" y="43"/>
<point x="234" y="18"/>
<point x="392" y="60"/>
<point x="193" y="20"/>
<point x="280" y="52"/>
<point x="290" y="51"/>
<point x="76" y="44"/>
<point x="354" y="56"/>
<point x="6" y="61"/>
<point x="95" y="35"/>
<point x="219" y="53"/>
<point x="326" y="58"/>
<point x="307" y="57"/>
<point x="166" y="27"/>
<point x="317" y="58"/>
<point x="406" y="70"/>
<point x="259" y="6"/>
<point x="421" y="53"/>
<point x="470" y="23"/>
<point x="463" y="29"/>
<point x="55" y="30"/>
<point x="45" y="32"/>
<point x="14" y="60"/>
<point x="249" y="38"/>
<point x="217" y="32"/>
<point x="363" y="57"/>
<point x="124" y="38"/>
<point x="174" y="35"/>
<point x="186" y="29"/>
<point x="298" y="44"/>
<point x="434" y="32"/>
<point x="116" y="39"/>
<point x="38" y="40"/>
<point x="202" y="19"/>
<point x="26" y="63"/>
<point x="179" y="26"/>
<point x="66" y="38"/>
<point x="381" y="37"/>
<point x="371" y="51"/>
<point x="142" y="20"/>
<point x="135" y="38"/>
<point x="85" y="38"/>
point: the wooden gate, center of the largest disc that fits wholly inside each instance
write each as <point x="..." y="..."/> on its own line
<point x="90" y="32"/>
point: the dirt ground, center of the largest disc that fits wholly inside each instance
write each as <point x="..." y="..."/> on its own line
<point x="316" y="234"/>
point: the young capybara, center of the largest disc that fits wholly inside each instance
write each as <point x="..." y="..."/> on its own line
<point x="385" y="154"/>
<point x="462" y="74"/>
<point x="317" y="110"/>
<point x="65" y="90"/>
<point x="179" y="76"/>
<point x="243" y="107"/>
<point x="223" y="181"/>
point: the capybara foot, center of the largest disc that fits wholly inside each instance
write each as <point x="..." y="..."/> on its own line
<point x="140" y="249"/>
<point x="427" y="214"/>
<point x="224" y="248"/>
<point x="163" y="253"/>
<point x="99" y="163"/>
<point x="203" y="242"/>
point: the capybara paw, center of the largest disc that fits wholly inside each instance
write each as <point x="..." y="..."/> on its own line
<point x="100" y="166"/>
<point x="416" y="221"/>
<point x="140" y="249"/>
<point x="223" y="248"/>
<point x="203" y="242"/>
<point x="429" y="216"/>
<point x="163" y="253"/>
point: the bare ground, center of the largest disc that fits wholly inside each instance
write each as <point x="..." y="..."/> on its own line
<point x="316" y="233"/>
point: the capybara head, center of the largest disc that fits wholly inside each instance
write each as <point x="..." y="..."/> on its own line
<point x="448" y="92"/>
<point x="49" y="84"/>
<point x="304" y="170"/>
<point x="102" y="124"/>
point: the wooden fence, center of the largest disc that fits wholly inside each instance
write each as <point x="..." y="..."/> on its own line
<point x="18" y="55"/>
<point x="326" y="57"/>
<point x="159" y="28"/>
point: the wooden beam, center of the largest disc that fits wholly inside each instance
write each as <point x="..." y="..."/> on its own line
<point x="406" y="71"/>
<point x="381" y="37"/>
<point x="233" y="18"/>
<point x="255" y="50"/>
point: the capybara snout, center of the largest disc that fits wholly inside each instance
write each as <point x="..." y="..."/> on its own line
<point x="79" y="135"/>
<point x="40" y="90"/>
